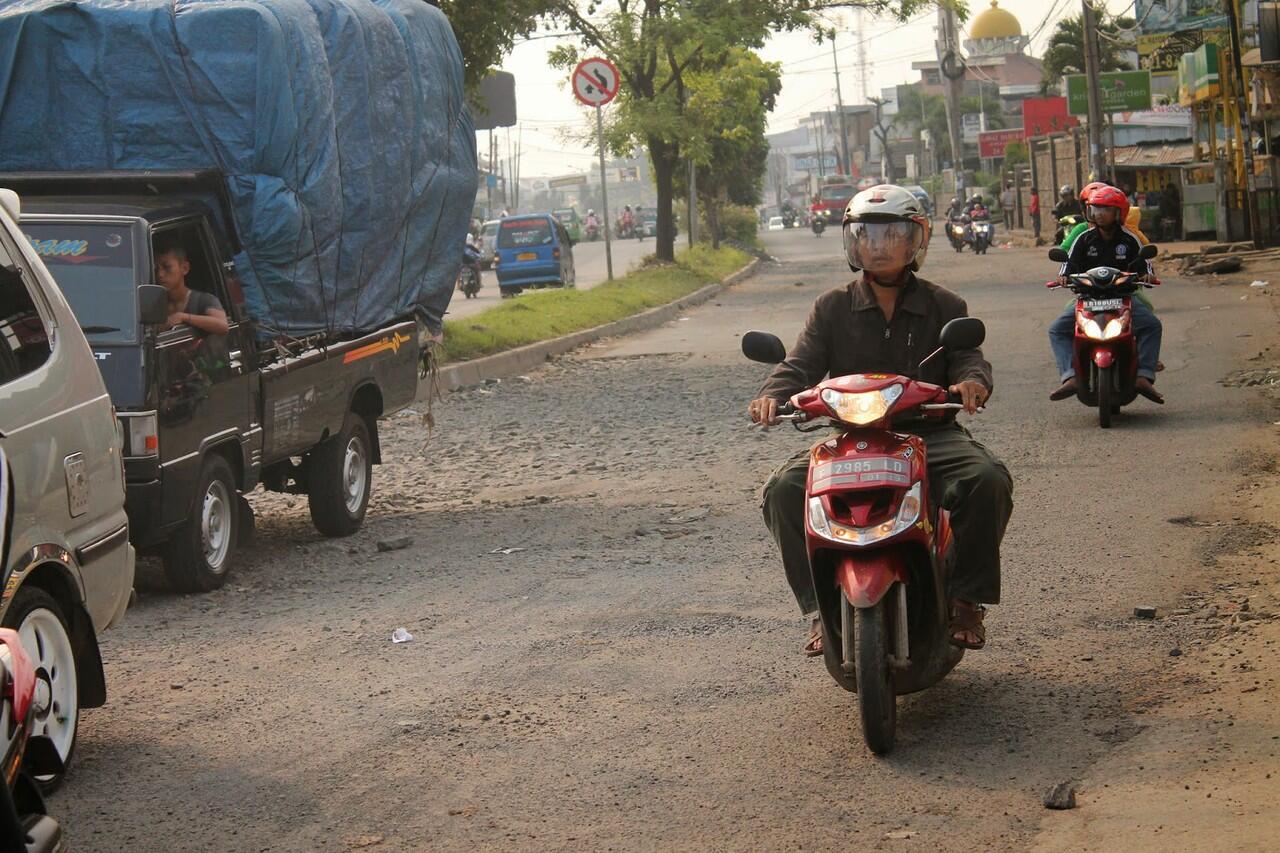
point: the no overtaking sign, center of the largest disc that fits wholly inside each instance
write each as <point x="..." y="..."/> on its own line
<point x="595" y="81"/>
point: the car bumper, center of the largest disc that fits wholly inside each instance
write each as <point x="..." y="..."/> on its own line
<point x="144" y="503"/>
<point x="531" y="274"/>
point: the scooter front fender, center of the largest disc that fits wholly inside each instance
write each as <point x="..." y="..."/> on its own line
<point x="1103" y="357"/>
<point x="865" y="577"/>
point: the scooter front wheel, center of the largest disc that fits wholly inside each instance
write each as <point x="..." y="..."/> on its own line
<point x="877" y="703"/>
<point x="1105" y="389"/>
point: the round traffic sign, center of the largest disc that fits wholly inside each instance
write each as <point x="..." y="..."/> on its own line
<point x="595" y="81"/>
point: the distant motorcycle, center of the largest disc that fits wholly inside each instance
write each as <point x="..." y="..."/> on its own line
<point x="1105" y="351"/>
<point x="469" y="273"/>
<point x="956" y="232"/>
<point x="1065" y="224"/>
<point x="592" y="231"/>
<point x="818" y="224"/>
<point x="982" y="233"/>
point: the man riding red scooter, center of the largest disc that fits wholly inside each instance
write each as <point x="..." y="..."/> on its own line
<point x="838" y="509"/>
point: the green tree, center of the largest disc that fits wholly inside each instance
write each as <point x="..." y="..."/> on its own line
<point x="1015" y="154"/>
<point x="727" y="111"/>
<point x="657" y="44"/>
<point x="919" y="110"/>
<point x="1065" y="53"/>
<point x="487" y="31"/>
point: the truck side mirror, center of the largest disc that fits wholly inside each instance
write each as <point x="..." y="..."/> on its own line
<point x="153" y="304"/>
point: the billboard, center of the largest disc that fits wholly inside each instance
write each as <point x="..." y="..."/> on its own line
<point x="809" y="163"/>
<point x="1161" y="53"/>
<point x="1119" y="91"/>
<point x="1167" y="16"/>
<point x="991" y="143"/>
<point x="1042" y="116"/>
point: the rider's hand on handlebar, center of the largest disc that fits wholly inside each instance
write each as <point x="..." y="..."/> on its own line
<point x="1064" y="280"/>
<point x="972" y="394"/>
<point x="763" y="411"/>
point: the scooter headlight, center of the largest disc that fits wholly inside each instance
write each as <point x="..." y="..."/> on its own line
<point x="1091" y="329"/>
<point x="833" y="531"/>
<point x="861" y="408"/>
<point x="1113" y="329"/>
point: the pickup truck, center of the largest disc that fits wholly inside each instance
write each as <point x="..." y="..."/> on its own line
<point x="831" y="202"/>
<point x="207" y="417"/>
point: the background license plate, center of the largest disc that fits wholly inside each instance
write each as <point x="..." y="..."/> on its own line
<point x="1093" y="306"/>
<point x="527" y="256"/>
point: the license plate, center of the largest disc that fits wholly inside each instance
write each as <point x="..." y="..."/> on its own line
<point x="527" y="256"/>
<point x="1093" y="306"/>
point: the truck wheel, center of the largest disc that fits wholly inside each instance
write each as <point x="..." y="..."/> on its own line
<point x="339" y="475"/>
<point x="197" y="558"/>
<point x="39" y="621"/>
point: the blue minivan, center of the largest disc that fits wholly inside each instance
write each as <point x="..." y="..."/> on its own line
<point x="533" y="250"/>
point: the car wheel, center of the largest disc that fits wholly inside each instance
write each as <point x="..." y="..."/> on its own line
<point x="197" y="557"/>
<point x="41" y="624"/>
<point x="339" y="477"/>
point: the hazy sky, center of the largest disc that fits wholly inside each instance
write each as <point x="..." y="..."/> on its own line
<point x="550" y="117"/>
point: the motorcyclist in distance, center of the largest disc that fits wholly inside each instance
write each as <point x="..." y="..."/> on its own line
<point x="885" y="321"/>
<point x="1107" y="243"/>
<point x="1067" y="203"/>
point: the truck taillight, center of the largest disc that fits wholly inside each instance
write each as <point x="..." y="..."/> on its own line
<point x="555" y="253"/>
<point x="143" y="434"/>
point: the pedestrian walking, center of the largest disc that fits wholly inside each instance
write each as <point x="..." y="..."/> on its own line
<point x="1006" y="207"/>
<point x="1034" y="210"/>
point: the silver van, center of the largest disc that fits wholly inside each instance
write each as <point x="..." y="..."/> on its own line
<point x="69" y="571"/>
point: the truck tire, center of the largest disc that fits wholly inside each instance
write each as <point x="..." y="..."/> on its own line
<point x="197" y="557"/>
<point x="339" y="477"/>
<point x="46" y="638"/>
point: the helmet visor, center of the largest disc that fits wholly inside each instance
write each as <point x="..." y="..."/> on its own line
<point x="1105" y="212"/>
<point x="882" y="247"/>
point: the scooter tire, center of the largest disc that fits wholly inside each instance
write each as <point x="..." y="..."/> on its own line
<point x="877" y="702"/>
<point x="1104" y="389"/>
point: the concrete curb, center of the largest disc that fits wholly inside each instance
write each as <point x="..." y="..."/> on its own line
<point x="525" y="358"/>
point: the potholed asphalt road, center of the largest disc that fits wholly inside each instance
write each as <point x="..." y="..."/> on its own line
<point x="606" y="655"/>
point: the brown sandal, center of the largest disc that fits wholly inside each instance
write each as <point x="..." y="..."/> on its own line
<point x="967" y="618"/>
<point x="813" y="648"/>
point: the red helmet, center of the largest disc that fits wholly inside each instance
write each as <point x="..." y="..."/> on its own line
<point x="1108" y="196"/>
<point x="1089" y="188"/>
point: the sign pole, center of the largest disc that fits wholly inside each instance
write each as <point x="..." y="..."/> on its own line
<point x="1097" y="164"/>
<point x="604" y="197"/>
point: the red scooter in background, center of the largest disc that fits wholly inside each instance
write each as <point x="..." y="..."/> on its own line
<point x="880" y="551"/>
<point x="1106" y="350"/>
<point x="24" y="825"/>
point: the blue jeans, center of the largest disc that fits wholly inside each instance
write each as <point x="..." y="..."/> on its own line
<point x="1146" y="327"/>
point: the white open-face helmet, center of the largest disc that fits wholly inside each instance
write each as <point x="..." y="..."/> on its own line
<point x="885" y="229"/>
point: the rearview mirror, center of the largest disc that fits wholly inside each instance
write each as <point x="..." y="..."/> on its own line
<point x="763" y="347"/>
<point x="1148" y="252"/>
<point x="963" y="333"/>
<point x="1057" y="253"/>
<point x="153" y="304"/>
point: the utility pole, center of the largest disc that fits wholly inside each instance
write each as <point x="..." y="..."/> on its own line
<point x="862" y="53"/>
<point x="1097" y="162"/>
<point x="844" y="135"/>
<point x="1242" y="111"/>
<point x="951" y="69"/>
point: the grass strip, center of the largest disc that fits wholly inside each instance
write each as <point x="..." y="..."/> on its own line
<point x="545" y="314"/>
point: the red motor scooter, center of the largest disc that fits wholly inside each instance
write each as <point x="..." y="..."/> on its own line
<point x="880" y="551"/>
<point x="1106" y="351"/>
<point x="24" y="825"/>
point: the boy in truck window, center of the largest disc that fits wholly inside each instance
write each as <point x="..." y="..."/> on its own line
<point x="195" y="308"/>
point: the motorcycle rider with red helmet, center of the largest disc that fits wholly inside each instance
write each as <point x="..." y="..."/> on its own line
<point x="886" y="321"/>
<point x="1107" y="243"/>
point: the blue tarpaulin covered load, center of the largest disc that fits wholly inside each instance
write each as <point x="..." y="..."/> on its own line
<point x="340" y="125"/>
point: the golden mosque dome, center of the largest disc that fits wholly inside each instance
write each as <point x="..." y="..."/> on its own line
<point x="995" y="23"/>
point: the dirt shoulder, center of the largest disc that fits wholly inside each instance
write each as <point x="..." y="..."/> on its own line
<point x="1204" y="773"/>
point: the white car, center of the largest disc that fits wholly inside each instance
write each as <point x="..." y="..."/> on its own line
<point x="68" y="570"/>
<point x="775" y="223"/>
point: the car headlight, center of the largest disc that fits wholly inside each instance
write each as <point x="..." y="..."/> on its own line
<point x="865" y="407"/>
<point x="907" y="515"/>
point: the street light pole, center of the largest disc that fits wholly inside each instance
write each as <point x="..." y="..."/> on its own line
<point x="844" y="134"/>
<point x="1097" y="163"/>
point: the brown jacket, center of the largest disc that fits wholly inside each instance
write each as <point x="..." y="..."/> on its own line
<point x="846" y="333"/>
